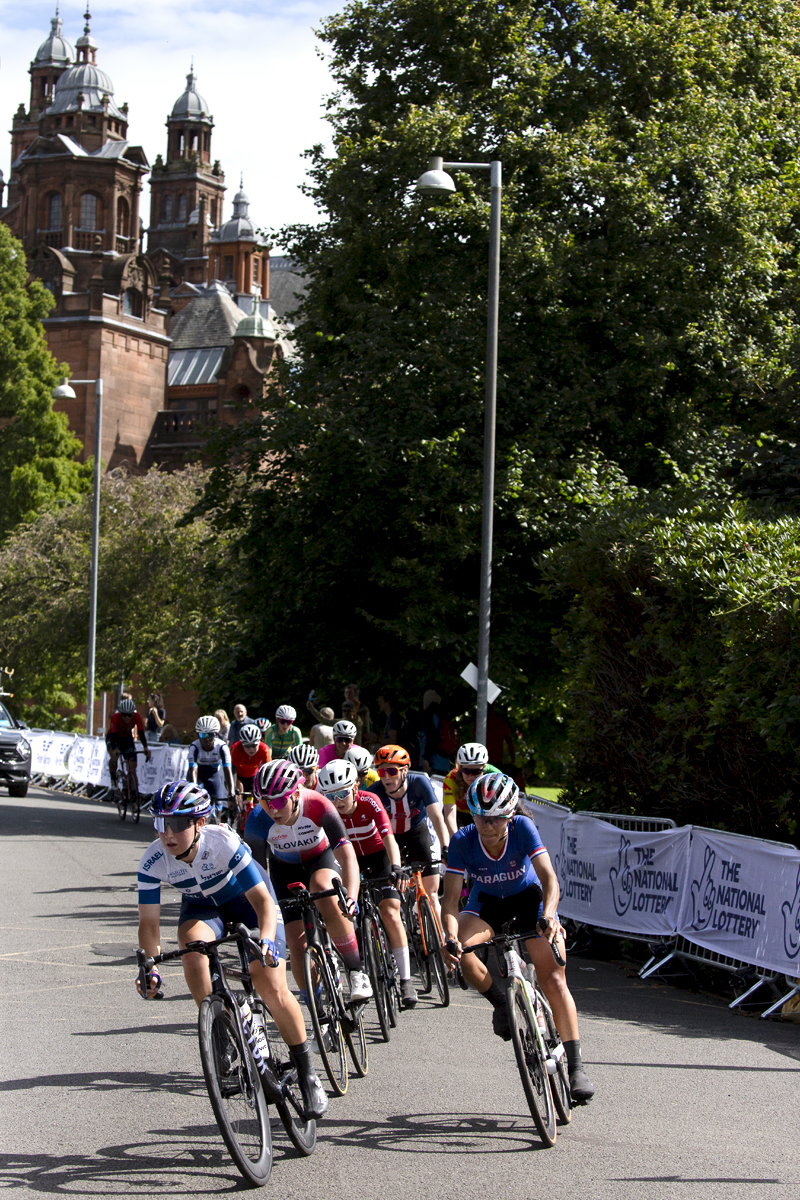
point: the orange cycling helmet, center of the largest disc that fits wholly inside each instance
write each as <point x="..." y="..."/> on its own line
<point x="391" y="756"/>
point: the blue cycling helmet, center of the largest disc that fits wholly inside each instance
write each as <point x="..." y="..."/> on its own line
<point x="181" y="799"/>
<point x="492" y="795"/>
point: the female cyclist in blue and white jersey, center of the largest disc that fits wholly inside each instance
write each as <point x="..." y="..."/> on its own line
<point x="499" y="853"/>
<point x="219" y="884"/>
<point x="210" y="762"/>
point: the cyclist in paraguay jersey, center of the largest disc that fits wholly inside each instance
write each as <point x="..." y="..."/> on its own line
<point x="248" y="754"/>
<point x="472" y="760"/>
<point x="302" y="837"/>
<point x="284" y="734"/>
<point x="411" y="801"/>
<point x="210" y="762"/>
<point x="512" y="878"/>
<point x="367" y="825"/>
<point x="124" y="725"/>
<point x="219" y="884"/>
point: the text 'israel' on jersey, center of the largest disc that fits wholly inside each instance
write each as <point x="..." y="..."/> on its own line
<point x="367" y="825"/>
<point x="317" y="827"/>
<point x="409" y="811"/>
<point x="221" y="870"/>
<point x="212" y="758"/>
<point x="512" y="872"/>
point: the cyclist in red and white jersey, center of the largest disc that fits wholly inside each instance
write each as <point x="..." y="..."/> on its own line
<point x="302" y="837"/>
<point x="367" y="825"/>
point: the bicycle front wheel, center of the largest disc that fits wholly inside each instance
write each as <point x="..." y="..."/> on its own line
<point x="302" y="1132"/>
<point x="373" y="960"/>
<point x="559" y="1082"/>
<point x="530" y="1061"/>
<point x="136" y="804"/>
<point x="391" y="980"/>
<point x="235" y="1091"/>
<point x="325" y="1019"/>
<point x="433" y="946"/>
<point x="122" y="805"/>
<point x="354" y="1033"/>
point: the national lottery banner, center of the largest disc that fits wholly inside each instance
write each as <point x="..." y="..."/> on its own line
<point x="49" y="752"/>
<point x="620" y="879"/>
<point x="88" y="763"/>
<point x="742" y="899"/>
<point x="548" y="819"/>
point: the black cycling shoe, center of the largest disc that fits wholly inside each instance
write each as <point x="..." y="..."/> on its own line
<point x="315" y="1102"/>
<point x="581" y="1088"/>
<point x="500" y="1023"/>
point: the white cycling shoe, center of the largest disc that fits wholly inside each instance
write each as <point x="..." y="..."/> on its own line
<point x="360" y="987"/>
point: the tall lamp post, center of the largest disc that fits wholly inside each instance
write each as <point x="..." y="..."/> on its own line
<point x="436" y="182"/>
<point x="65" y="392"/>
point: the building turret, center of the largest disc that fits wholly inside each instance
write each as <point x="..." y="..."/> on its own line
<point x="237" y="254"/>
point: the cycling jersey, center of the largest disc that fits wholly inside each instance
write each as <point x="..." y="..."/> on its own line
<point x="454" y="789"/>
<point x="328" y="754"/>
<point x="367" y="825"/>
<point x="370" y="779"/>
<point x="221" y="870"/>
<point x="123" y="728"/>
<point x="504" y="876"/>
<point x="318" y="827"/>
<point x="211" y="760"/>
<point x="410" y="810"/>
<point x="281" y="743"/>
<point x="246" y="765"/>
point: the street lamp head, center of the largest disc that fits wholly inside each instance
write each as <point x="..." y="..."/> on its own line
<point x="63" y="391"/>
<point x="435" y="182"/>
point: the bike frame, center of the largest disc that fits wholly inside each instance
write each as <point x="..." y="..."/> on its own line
<point x="317" y="935"/>
<point x="419" y="891"/>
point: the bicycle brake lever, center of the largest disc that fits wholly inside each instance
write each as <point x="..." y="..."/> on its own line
<point x="557" y="955"/>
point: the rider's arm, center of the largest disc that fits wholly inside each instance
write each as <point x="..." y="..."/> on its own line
<point x="265" y="910"/>
<point x="452" y="894"/>
<point x="149" y="929"/>
<point x="191" y="770"/>
<point x="138" y="726"/>
<point x="550" y="889"/>
<point x="351" y="876"/>
<point x="437" y="820"/>
<point x="392" y="848"/>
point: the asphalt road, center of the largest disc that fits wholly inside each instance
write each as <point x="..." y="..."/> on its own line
<point x="102" y="1094"/>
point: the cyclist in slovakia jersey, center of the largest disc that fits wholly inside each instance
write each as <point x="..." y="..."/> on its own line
<point x="284" y="734"/>
<point x="367" y="825"/>
<point x="410" y="800"/>
<point x="248" y="754"/>
<point x="302" y="837"/>
<point x="499" y="853"/>
<point x="472" y="760"/>
<point x="124" y="725"/>
<point x="210" y="762"/>
<point x="219" y="884"/>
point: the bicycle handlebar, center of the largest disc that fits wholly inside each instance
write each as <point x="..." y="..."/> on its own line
<point x="505" y="939"/>
<point x="240" y="934"/>
<point x="305" y="899"/>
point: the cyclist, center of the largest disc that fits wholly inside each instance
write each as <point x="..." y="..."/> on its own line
<point x="302" y="836"/>
<point x="410" y="801"/>
<point x="125" y="723"/>
<point x="284" y="734"/>
<point x="368" y="828"/>
<point x="219" y="883"/>
<point x="499" y="851"/>
<point x="210" y="763"/>
<point x="306" y="757"/>
<point x="344" y="736"/>
<point x="472" y="760"/>
<point x="367" y="775"/>
<point x="247" y="755"/>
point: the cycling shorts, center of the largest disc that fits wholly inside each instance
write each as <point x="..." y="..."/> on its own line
<point x="378" y="864"/>
<point x="416" y="845"/>
<point x="125" y="745"/>
<point x="246" y="783"/>
<point x="284" y="873"/>
<point x="212" y="779"/>
<point x="526" y="906"/>
<point x="217" y="916"/>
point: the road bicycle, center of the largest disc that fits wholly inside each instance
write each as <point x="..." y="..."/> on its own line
<point x="376" y="954"/>
<point x="425" y="938"/>
<point x="242" y="1059"/>
<point x="537" y="1047"/>
<point x="126" y="784"/>
<point x="336" y="1021"/>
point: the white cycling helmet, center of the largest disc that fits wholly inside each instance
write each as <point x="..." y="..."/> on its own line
<point x="344" y="729"/>
<point x="338" y="774"/>
<point x="472" y="754"/>
<point x="250" y="734"/>
<point x="207" y="725"/>
<point x="492" y="795"/>
<point x="360" y="758"/>
<point x="285" y="712"/>
<point x="305" y="756"/>
<point x="127" y="707"/>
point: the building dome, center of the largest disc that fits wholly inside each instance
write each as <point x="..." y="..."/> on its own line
<point x="55" y="50"/>
<point x="88" y="80"/>
<point x="255" y="326"/>
<point x="240" y="227"/>
<point x="191" y="105"/>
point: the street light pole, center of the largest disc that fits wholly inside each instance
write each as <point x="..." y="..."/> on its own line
<point x="436" y="182"/>
<point x="65" y="392"/>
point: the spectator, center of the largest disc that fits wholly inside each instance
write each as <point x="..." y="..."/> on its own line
<point x="321" y="734"/>
<point x="361" y="714"/>
<point x="224" y="723"/>
<point x="349" y="714"/>
<point x="438" y="738"/>
<point x="396" y="730"/>
<point x="156" y="717"/>
<point x="239" y="719"/>
<point x="169" y="733"/>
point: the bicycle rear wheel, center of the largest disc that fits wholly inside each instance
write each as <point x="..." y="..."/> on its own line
<point x="235" y="1091"/>
<point x="391" y="983"/>
<point x="438" y="971"/>
<point x="354" y="1033"/>
<point x="373" y="960"/>
<point x="559" y="1082"/>
<point x="135" y="803"/>
<point x="530" y="1061"/>
<point x="325" y="1019"/>
<point x="419" y="962"/>
<point x="122" y="798"/>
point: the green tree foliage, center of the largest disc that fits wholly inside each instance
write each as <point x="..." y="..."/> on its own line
<point x="649" y="233"/>
<point x="38" y="466"/>
<point x="161" y="610"/>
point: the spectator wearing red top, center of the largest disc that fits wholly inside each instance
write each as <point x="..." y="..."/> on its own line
<point x="370" y="834"/>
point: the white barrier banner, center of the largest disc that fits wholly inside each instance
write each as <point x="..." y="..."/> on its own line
<point x="548" y="819"/>
<point x="88" y="761"/>
<point x="174" y="764"/>
<point x="620" y="879"/>
<point x="49" y="752"/>
<point x="742" y="899"/>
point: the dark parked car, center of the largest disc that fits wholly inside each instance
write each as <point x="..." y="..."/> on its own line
<point x="15" y="754"/>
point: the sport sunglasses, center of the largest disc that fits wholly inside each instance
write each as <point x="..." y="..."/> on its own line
<point x="472" y="770"/>
<point x="176" y="824"/>
<point x="390" y="771"/>
<point x="342" y="794"/>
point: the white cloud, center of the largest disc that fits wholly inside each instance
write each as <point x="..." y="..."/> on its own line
<point x="257" y="66"/>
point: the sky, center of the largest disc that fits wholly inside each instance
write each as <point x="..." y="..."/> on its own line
<point x="257" y="66"/>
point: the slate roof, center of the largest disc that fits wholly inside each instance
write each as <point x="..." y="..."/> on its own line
<point x="286" y="285"/>
<point x="207" y="321"/>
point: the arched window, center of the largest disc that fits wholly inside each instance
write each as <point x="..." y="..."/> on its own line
<point x="88" y="211"/>
<point x="54" y="213"/>
<point x="123" y="216"/>
<point x="132" y="302"/>
<point x="181" y="208"/>
<point x="214" y="213"/>
<point x="255" y="270"/>
<point x="166" y="208"/>
<point x="228" y="266"/>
